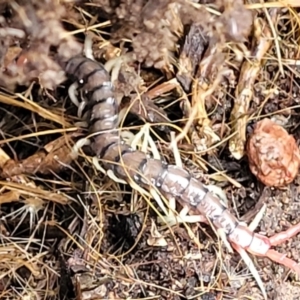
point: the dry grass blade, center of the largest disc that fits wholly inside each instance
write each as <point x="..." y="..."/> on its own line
<point x="15" y="258"/>
<point x="163" y="88"/>
<point x="11" y="196"/>
<point x="274" y="4"/>
<point x="34" y="107"/>
<point x="27" y="190"/>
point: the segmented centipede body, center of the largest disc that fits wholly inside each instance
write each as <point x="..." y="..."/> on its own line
<point x="94" y="82"/>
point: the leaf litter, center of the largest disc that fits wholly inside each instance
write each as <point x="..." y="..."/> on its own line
<point x="207" y="71"/>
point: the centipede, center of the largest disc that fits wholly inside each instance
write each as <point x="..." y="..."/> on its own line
<point x="101" y="110"/>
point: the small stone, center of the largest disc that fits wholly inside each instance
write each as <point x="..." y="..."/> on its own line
<point x="275" y="160"/>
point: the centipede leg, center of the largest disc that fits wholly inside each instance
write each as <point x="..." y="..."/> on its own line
<point x="72" y="91"/>
<point x="81" y="108"/>
<point x="283" y="236"/>
<point x="183" y="217"/>
<point x="246" y="258"/>
<point x="109" y="173"/>
<point x="78" y="145"/>
<point x="280" y="258"/>
<point x="283" y="260"/>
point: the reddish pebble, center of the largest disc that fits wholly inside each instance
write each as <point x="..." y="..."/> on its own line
<point x="273" y="154"/>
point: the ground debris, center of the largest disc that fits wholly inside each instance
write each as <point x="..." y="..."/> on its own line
<point x="200" y="75"/>
<point x="55" y="157"/>
<point x="40" y="27"/>
<point x="191" y="54"/>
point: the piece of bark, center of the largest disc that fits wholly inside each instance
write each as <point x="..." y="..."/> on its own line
<point x="190" y="57"/>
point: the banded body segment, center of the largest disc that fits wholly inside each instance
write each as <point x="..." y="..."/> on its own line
<point x="136" y="165"/>
<point x="94" y="82"/>
<point x="147" y="172"/>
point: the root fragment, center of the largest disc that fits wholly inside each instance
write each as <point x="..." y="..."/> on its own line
<point x="56" y="156"/>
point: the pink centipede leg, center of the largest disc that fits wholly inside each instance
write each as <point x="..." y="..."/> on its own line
<point x="280" y="238"/>
<point x="283" y="260"/>
<point x="283" y="236"/>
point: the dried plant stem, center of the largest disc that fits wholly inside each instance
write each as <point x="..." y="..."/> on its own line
<point x="201" y="91"/>
<point x="244" y="91"/>
<point x="56" y="156"/>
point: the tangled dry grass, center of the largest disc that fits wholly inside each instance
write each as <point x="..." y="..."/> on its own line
<point x="206" y="70"/>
